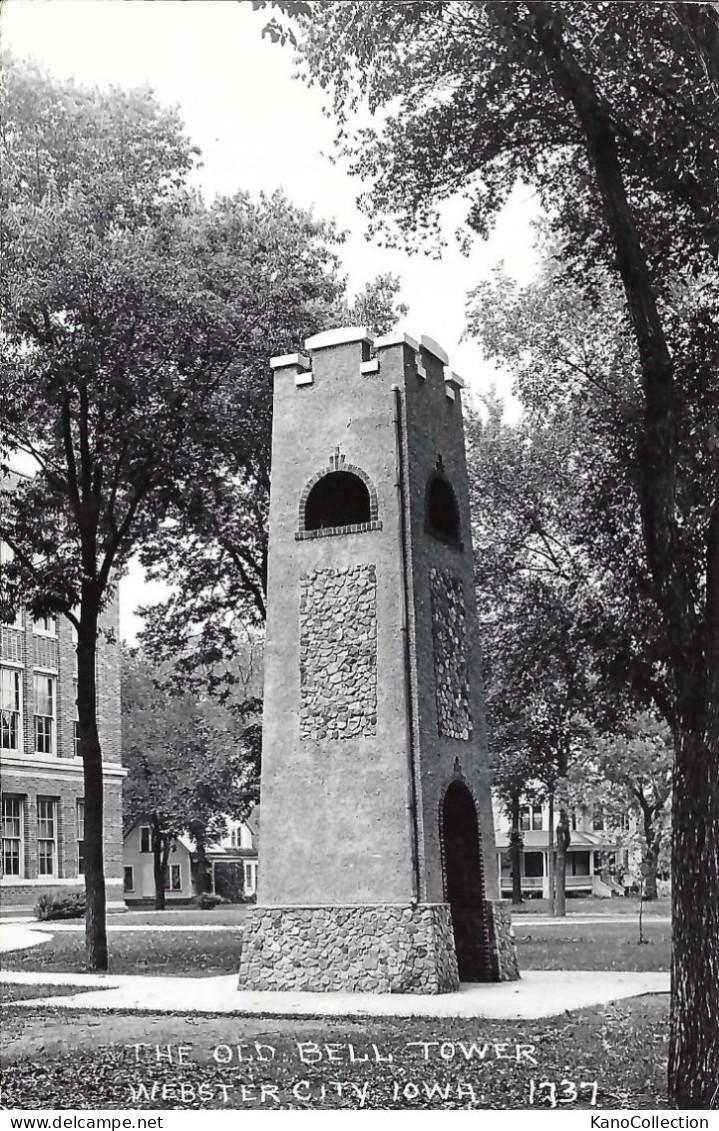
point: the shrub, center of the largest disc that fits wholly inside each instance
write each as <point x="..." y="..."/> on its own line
<point x="60" y="906"/>
<point x="206" y="901"/>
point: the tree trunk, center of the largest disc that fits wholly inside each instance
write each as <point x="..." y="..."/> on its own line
<point x="694" y="1020"/>
<point x="563" y="838"/>
<point x="95" y="900"/>
<point x="160" y="854"/>
<point x="693" y="638"/>
<point x="515" y="852"/>
<point x="651" y="863"/>
<point x="197" y="832"/>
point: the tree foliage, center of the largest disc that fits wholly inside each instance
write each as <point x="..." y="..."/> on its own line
<point x="192" y="765"/>
<point x="212" y="548"/>
<point x="136" y="327"/>
<point x="590" y="104"/>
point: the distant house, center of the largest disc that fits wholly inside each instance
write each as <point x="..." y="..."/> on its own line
<point x="594" y="858"/>
<point x="238" y="850"/>
<point x="138" y="867"/>
<point x="233" y="864"/>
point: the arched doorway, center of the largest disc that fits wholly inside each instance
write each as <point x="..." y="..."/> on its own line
<point x="464" y="883"/>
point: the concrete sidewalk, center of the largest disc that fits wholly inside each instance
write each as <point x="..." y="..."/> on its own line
<point x="544" y="993"/>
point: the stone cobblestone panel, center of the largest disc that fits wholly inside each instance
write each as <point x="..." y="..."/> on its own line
<point x="502" y="945"/>
<point x="338" y="653"/>
<point x="363" y="949"/>
<point x="451" y="669"/>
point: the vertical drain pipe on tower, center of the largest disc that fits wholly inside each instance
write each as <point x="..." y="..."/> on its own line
<point x="408" y="667"/>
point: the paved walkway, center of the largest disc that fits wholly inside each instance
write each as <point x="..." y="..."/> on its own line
<point x="539" y="993"/>
<point x="19" y="937"/>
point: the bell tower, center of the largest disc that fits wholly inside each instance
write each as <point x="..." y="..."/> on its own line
<point x="378" y="868"/>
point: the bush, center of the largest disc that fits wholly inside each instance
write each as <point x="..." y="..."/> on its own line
<point x="60" y="906"/>
<point x="206" y="901"/>
<point x="229" y="881"/>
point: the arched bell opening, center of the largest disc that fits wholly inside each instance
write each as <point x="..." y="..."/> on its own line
<point x="464" y="883"/>
<point x="338" y="499"/>
<point x="441" y="510"/>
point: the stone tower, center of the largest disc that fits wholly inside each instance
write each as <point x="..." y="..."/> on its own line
<point x="378" y="868"/>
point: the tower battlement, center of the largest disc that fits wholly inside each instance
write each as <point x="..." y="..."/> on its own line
<point x="368" y="354"/>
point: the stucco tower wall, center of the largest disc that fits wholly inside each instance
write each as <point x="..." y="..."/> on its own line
<point x="335" y="810"/>
<point x="435" y="436"/>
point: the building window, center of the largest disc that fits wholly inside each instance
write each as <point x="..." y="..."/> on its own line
<point x="338" y="499"/>
<point x="46" y="837"/>
<point x="598" y="821"/>
<point x="44" y="714"/>
<point x="10" y="709"/>
<point x="173" y="878"/>
<point x="45" y="626"/>
<point x="12" y="836"/>
<point x="533" y="865"/>
<point x="442" y="512"/>
<point x="75" y="723"/>
<point x="250" y="877"/>
<point x="80" y="821"/>
<point x="145" y="839"/>
<point x="129" y="879"/>
<point x="530" y="818"/>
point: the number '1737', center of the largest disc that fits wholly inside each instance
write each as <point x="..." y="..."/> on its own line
<point x="550" y="1093"/>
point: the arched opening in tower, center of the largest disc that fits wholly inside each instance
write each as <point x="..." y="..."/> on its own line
<point x="464" y="884"/>
<point x="338" y="499"/>
<point x="442" y="509"/>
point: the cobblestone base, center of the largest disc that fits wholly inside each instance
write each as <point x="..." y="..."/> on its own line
<point x="503" y="952"/>
<point x="366" y="949"/>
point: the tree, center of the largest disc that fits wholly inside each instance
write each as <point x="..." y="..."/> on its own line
<point x="589" y="104"/>
<point x="213" y="548"/>
<point x="630" y="773"/>
<point x="191" y="765"/>
<point x="533" y="588"/>
<point x="130" y="322"/>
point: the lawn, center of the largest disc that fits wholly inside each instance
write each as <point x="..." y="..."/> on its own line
<point x="10" y="993"/>
<point x="186" y="953"/>
<point x="230" y="915"/>
<point x="608" y="1057"/>
<point x="565" y="945"/>
<point x="588" y="906"/>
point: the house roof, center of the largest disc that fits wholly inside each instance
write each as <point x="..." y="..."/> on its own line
<point x="579" y="841"/>
<point x="253" y="824"/>
<point x="231" y="853"/>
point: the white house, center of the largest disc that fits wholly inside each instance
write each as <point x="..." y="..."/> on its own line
<point x="235" y="852"/>
<point x="595" y="852"/>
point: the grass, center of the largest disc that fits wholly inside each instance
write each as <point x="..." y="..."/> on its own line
<point x="10" y="993"/>
<point x="183" y="916"/>
<point x="182" y="954"/>
<point x="597" y="907"/>
<point x="568" y="945"/>
<point x="87" y="1061"/>
<point x="565" y="945"/>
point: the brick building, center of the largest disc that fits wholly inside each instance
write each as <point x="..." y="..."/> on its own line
<point x="40" y="771"/>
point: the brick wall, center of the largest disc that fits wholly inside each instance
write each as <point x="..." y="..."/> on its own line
<point x="59" y="776"/>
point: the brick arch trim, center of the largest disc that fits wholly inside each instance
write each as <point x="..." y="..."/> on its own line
<point x="457" y="777"/>
<point x="337" y="463"/>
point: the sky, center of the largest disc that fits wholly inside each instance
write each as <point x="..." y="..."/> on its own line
<point x="259" y="129"/>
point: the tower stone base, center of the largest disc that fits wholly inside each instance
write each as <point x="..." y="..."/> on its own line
<point x="505" y="967"/>
<point x="385" y="948"/>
